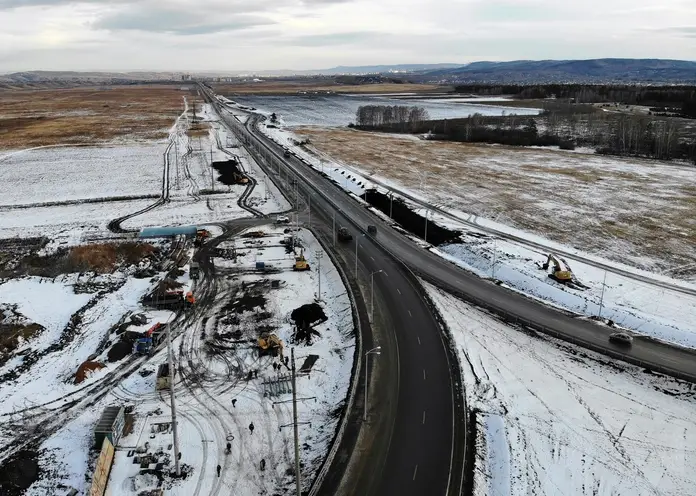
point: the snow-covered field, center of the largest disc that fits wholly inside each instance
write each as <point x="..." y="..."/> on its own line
<point x="553" y="419"/>
<point x="635" y="304"/>
<point x="339" y="110"/>
<point x="634" y="211"/>
<point x="78" y="173"/>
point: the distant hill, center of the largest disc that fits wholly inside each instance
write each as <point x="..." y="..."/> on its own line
<point x="570" y="71"/>
<point x="376" y="69"/>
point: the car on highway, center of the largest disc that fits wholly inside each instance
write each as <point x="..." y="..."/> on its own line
<point x="282" y="219"/>
<point x="621" y="338"/>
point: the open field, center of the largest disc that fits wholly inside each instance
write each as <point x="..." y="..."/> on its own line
<point x="87" y="115"/>
<point x="288" y="87"/>
<point x="639" y="212"/>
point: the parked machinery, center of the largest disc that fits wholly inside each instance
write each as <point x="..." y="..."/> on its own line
<point x="194" y="270"/>
<point x="201" y="236"/>
<point x="560" y="270"/>
<point x="270" y="344"/>
<point x="300" y="262"/>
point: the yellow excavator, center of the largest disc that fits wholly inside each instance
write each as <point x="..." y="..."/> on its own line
<point x="560" y="270"/>
<point x="300" y="262"/>
<point x="270" y="344"/>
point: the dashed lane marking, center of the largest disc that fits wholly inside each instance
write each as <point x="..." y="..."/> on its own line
<point x="423" y="374"/>
<point x="418" y="338"/>
<point x="423" y="417"/>
<point x="415" y="471"/>
<point x="398" y="290"/>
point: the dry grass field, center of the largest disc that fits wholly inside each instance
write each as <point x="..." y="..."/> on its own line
<point x="642" y="212"/>
<point x="270" y="87"/>
<point x="31" y="118"/>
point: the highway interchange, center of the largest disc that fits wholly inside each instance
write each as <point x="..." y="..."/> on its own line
<point x="414" y="440"/>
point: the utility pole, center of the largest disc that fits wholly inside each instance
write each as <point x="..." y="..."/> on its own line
<point x="309" y="206"/>
<point x="294" y="424"/>
<point x="601" y="300"/>
<point x="319" y="254"/>
<point x="495" y="253"/>
<point x="391" y="201"/>
<point x="175" y="433"/>
<point x="425" y="237"/>
<point x="334" y="229"/>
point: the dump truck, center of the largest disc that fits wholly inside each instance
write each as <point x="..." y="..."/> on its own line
<point x="194" y="270"/>
<point x="270" y="344"/>
<point x="143" y="346"/>
<point x="344" y="234"/>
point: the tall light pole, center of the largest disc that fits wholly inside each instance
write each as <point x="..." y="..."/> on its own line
<point x="175" y="430"/>
<point x="372" y="294"/>
<point x="373" y="351"/>
<point x="601" y="300"/>
<point x="298" y="481"/>
<point x="425" y="236"/>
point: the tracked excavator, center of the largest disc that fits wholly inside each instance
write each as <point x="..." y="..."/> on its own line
<point x="270" y="344"/>
<point x="300" y="262"/>
<point x="560" y="270"/>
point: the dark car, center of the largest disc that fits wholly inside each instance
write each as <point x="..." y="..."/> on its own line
<point x="621" y="338"/>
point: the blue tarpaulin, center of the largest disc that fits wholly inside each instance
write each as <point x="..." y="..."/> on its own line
<point x="167" y="232"/>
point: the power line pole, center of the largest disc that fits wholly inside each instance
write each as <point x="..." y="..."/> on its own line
<point x="175" y="432"/>
<point x="334" y="229"/>
<point x="294" y="425"/>
<point x="601" y="300"/>
<point x="319" y="254"/>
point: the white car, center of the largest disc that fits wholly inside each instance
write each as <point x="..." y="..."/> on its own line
<point x="283" y="219"/>
<point x="622" y="338"/>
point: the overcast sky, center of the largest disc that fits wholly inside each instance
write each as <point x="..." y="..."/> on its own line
<point x="312" y="34"/>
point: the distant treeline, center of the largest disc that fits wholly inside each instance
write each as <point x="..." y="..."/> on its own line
<point x="617" y="134"/>
<point x="402" y="117"/>
<point x="677" y="99"/>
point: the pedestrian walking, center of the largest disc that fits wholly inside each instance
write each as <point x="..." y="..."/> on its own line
<point x="251" y="427"/>
<point x="229" y="448"/>
<point x="256" y="373"/>
<point x="234" y="402"/>
<point x="287" y="359"/>
<point x="219" y="468"/>
<point x="263" y="464"/>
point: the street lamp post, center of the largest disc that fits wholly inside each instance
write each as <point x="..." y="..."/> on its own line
<point x="372" y="294"/>
<point x="425" y="236"/>
<point x="373" y="351"/>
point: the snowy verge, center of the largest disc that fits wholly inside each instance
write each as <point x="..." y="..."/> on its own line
<point x="557" y="419"/>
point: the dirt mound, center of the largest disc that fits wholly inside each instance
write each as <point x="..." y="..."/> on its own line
<point x="123" y="347"/>
<point x="229" y="171"/>
<point x="86" y="369"/>
<point x="410" y="220"/>
<point x="19" y="472"/>
<point x="248" y="302"/>
<point x="309" y="314"/>
<point x="305" y="318"/>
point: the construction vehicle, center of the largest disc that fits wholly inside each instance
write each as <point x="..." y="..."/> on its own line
<point x="344" y="234"/>
<point x="194" y="270"/>
<point x="142" y="346"/>
<point x="560" y="271"/>
<point x="201" y="236"/>
<point x="270" y="344"/>
<point x="171" y="299"/>
<point x="300" y="262"/>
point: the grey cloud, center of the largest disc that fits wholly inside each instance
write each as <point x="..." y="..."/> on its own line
<point x="183" y="22"/>
<point x="334" y="38"/>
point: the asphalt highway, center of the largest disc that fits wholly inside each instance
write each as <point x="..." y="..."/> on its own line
<point x="420" y="457"/>
<point x="673" y="360"/>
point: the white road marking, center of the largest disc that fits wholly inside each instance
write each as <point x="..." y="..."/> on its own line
<point x="398" y="290"/>
<point x="418" y="338"/>
<point x="415" y="471"/>
<point x="423" y="417"/>
<point x="423" y="374"/>
<point x="373" y="258"/>
<point x="410" y="314"/>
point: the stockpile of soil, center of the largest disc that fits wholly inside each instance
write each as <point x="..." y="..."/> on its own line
<point x="19" y="472"/>
<point x="84" y="371"/>
<point x="247" y="302"/>
<point x="410" y="220"/>
<point x="229" y="171"/>
<point x="305" y="318"/>
<point x="123" y="347"/>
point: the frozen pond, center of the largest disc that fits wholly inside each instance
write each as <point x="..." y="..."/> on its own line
<point x="339" y="110"/>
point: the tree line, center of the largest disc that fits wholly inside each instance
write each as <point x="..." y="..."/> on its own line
<point x="400" y="116"/>
<point x="678" y="99"/>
